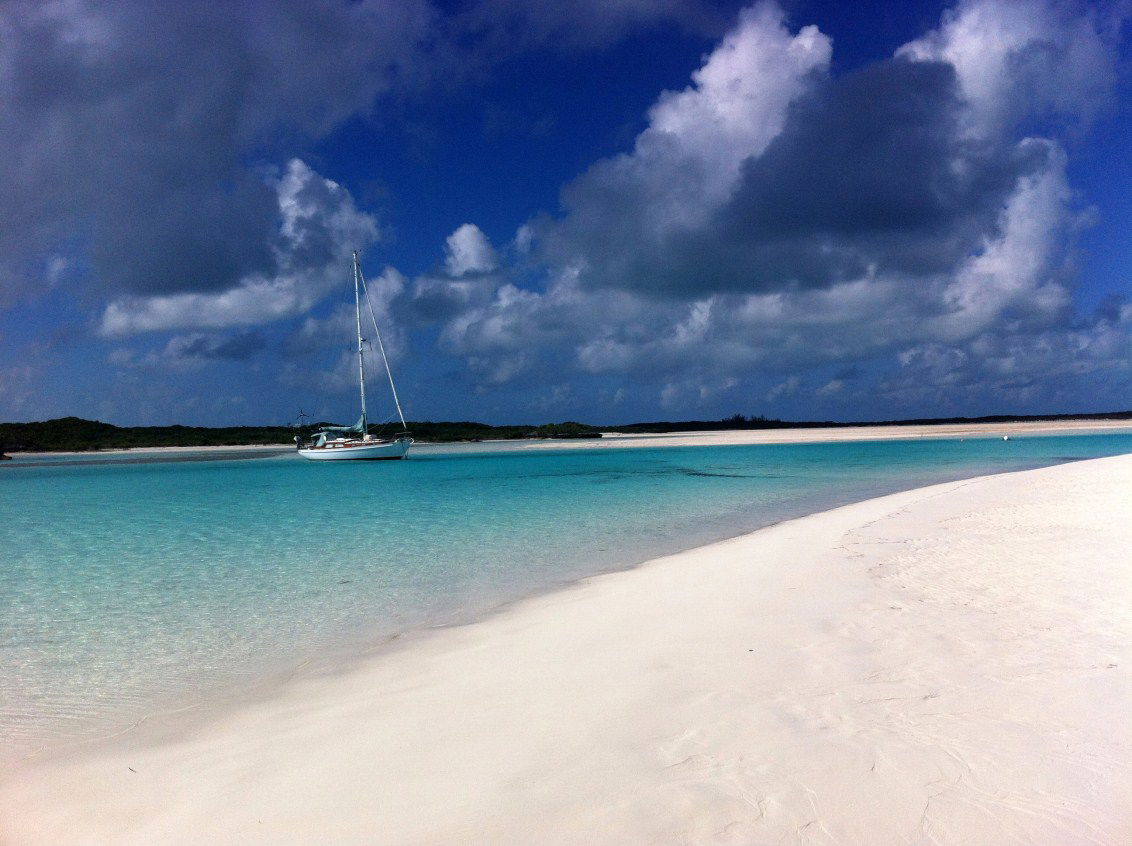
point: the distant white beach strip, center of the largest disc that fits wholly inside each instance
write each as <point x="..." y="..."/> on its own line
<point x="949" y="664"/>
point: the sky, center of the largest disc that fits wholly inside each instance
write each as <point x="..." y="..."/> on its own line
<point x="605" y="210"/>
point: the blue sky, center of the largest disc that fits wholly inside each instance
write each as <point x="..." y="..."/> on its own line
<point x="604" y="211"/>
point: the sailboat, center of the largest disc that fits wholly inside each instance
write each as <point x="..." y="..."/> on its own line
<point x="344" y="443"/>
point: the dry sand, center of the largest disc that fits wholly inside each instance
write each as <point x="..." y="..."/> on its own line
<point x="945" y="665"/>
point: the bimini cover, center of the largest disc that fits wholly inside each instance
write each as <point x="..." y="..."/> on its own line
<point x="357" y="429"/>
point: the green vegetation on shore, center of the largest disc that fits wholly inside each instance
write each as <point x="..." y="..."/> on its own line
<point x="739" y="421"/>
<point x="73" y="434"/>
<point x="76" y="434"/>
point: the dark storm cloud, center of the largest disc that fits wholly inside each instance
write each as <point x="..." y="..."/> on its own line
<point x="131" y="127"/>
<point x="134" y="130"/>
<point x="872" y="173"/>
<point x="190" y="237"/>
<point x="876" y="151"/>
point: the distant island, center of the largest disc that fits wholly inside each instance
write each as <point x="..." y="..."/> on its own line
<point x="74" y="434"/>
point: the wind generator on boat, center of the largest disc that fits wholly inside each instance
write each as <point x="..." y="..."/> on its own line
<point x="339" y="443"/>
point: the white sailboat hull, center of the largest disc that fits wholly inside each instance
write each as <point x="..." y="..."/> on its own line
<point x="356" y="451"/>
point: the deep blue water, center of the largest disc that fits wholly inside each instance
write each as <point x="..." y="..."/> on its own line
<point x="127" y="585"/>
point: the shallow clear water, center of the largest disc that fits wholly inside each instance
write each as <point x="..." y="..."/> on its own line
<point x="130" y="584"/>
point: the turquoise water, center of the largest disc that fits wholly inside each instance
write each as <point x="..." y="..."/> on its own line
<point x="130" y="585"/>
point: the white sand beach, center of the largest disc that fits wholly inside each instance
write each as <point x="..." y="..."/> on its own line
<point x="945" y="665"/>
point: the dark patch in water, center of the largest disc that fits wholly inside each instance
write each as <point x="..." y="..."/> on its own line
<point x="607" y="475"/>
<point x="717" y="475"/>
<point x="154" y="459"/>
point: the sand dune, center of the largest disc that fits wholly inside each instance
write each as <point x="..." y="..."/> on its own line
<point x="945" y="665"/>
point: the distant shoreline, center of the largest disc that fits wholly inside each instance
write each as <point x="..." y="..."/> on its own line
<point x="74" y="434"/>
<point x="722" y="437"/>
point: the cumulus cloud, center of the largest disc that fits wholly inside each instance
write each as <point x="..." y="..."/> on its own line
<point x="468" y="277"/>
<point x="341" y="377"/>
<point x="318" y="227"/>
<point x="17" y="389"/>
<point x="337" y="330"/>
<point x="1063" y="365"/>
<point x="133" y="124"/>
<point x="773" y="219"/>
<point x="1015" y="269"/>
<point x="139" y="127"/>
<point x="1013" y="59"/>
<point x="468" y="251"/>
<point x="869" y="176"/>
<point x="767" y="173"/>
<point x="623" y="210"/>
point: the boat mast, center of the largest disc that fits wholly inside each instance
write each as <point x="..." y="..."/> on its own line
<point x="388" y="372"/>
<point x="361" y="366"/>
<point x="381" y="346"/>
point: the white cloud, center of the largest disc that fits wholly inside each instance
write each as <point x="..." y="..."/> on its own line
<point x="57" y="267"/>
<point x="686" y="163"/>
<point x="554" y="398"/>
<point x="316" y="334"/>
<point x="524" y="236"/>
<point x="1013" y="270"/>
<point x="1011" y="57"/>
<point x="468" y="251"/>
<point x="737" y="101"/>
<point x="711" y="390"/>
<point x="1087" y="367"/>
<point x="469" y="277"/>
